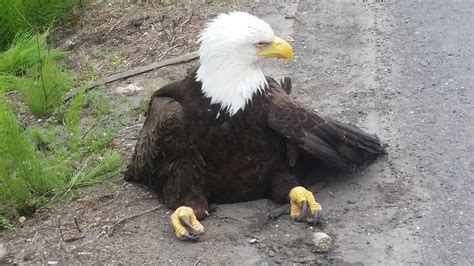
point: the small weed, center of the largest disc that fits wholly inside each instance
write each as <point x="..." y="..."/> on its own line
<point x="93" y="69"/>
<point x="96" y="102"/>
<point x="52" y="81"/>
<point x="115" y="62"/>
<point x="5" y="222"/>
<point x="30" y="16"/>
<point x="143" y="105"/>
<point x="72" y="119"/>
<point x="222" y="7"/>
<point x="26" y="51"/>
<point x="28" y="66"/>
<point x="22" y="171"/>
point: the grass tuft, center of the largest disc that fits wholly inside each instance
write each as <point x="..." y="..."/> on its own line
<point x="28" y="66"/>
<point x="30" y="16"/>
<point x="38" y="164"/>
<point x="72" y="118"/>
<point x="51" y="82"/>
<point x="22" y="172"/>
<point x="110" y="165"/>
<point x="50" y="161"/>
<point x="26" y="51"/>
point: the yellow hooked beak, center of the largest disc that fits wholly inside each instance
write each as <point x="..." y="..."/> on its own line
<point x="279" y="48"/>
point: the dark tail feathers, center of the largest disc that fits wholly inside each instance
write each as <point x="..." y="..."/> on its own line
<point x="357" y="148"/>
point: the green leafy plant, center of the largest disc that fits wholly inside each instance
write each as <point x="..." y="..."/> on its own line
<point x="37" y="164"/>
<point x="27" y="50"/>
<point x="52" y="160"/>
<point x="51" y="82"/>
<point x="72" y="119"/>
<point x="22" y="171"/>
<point x="30" y="16"/>
<point x="28" y="66"/>
<point x="5" y="222"/>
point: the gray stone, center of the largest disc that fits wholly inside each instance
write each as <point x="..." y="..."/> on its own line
<point x="321" y="242"/>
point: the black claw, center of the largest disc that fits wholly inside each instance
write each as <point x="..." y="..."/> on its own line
<point x="192" y="234"/>
<point x="317" y="216"/>
<point x="317" y="219"/>
<point x="305" y="211"/>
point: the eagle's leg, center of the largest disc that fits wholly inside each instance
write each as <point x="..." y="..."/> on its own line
<point x="303" y="204"/>
<point x="183" y="193"/>
<point x="285" y="188"/>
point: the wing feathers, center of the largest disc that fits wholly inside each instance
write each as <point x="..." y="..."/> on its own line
<point x="334" y="143"/>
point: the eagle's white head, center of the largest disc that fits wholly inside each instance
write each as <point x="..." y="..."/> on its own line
<point x="231" y="47"/>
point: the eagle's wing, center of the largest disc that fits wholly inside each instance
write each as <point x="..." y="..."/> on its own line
<point x="335" y="144"/>
<point x="160" y="139"/>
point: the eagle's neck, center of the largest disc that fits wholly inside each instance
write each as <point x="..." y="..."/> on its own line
<point x="230" y="83"/>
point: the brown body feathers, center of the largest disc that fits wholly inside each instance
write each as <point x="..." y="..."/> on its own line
<point x="192" y="153"/>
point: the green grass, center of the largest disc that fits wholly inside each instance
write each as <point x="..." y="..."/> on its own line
<point x="142" y="105"/>
<point x="72" y="118"/>
<point x="30" y="67"/>
<point x="51" y="82"/>
<point x="30" y="16"/>
<point x="26" y="51"/>
<point x="38" y="164"/>
<point x="53" y="160"/>
<point x="22" y="172"/>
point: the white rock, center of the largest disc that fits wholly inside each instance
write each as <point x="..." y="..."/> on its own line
<point x="322" y="242"/>
<point x="128" y="90"/>
<point x="3" y="251"/>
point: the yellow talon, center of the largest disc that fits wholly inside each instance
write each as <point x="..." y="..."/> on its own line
<point x="185" y="224"/>
<point x="300" y="200"/>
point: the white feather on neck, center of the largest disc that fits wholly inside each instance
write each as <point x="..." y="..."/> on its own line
<point x="230" y="84"/>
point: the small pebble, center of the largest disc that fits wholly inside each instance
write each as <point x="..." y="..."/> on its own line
<point x="321" y="242"/>
<point x="129" y="90"/>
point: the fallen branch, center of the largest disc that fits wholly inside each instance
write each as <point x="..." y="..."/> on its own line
<point x="139" y="70"/>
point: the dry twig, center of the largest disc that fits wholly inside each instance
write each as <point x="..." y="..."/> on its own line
<point x="167" y="50"/>
<point x="139" y="70"/>
<point x="184" y="22"/>
<point x="74" y="238"/>
<point x="77" y="224"/>
<point x="113" y="26"/>
<point x="60" y="230"/>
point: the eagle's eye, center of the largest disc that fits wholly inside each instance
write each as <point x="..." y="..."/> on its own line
<point x="261" y="44"/>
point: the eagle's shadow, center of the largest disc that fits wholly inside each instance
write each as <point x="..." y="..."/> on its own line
<point x="316" y="175"/>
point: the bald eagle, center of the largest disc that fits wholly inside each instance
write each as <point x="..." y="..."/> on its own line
<point x="227" y="133"/>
